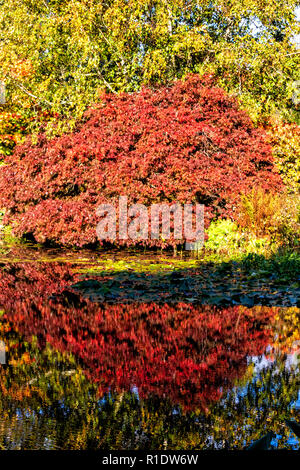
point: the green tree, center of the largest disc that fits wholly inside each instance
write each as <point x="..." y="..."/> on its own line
<point x="75" y="49"/>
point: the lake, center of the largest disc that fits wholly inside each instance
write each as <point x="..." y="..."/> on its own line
<point x="110" y="350"/>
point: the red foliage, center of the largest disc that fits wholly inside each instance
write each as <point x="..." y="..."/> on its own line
<point x="185" y="143"/>
<point x="186" y="353"/>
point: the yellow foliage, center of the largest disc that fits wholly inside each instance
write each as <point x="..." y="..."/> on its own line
<point x="269" y="214"/>
<point x="285" y="141"/>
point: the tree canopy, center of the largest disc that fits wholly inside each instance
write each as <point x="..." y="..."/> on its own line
<point x="187" y="143"/>
<point x="60" y="55"/>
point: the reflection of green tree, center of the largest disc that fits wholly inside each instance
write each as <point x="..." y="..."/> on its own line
<point x="46" y="402"/>
<point x="261" y="405"/>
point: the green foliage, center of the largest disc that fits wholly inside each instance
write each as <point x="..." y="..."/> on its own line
<point x="224" y="237"/>
<point x="60" y="54"/>
<point x="285" y="264"/>
<point x="12" y="127"/>
<point x="6" y="237"/>
<point x="223" y="233"/>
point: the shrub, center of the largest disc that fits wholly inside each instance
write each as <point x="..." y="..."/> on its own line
<point x="222" y="235"/>
<point x="265" y="213"/>
<point x="225" y="237"/>
<point x="259" y="211"/>
<point x="188" y="142"/>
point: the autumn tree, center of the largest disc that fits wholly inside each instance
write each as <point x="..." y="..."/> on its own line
<point x="185" y="143"/>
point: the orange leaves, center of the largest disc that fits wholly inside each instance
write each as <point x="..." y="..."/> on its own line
<point x="21" y="69"/>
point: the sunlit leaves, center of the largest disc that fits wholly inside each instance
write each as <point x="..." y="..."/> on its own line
<point x="79" y="47"/>
<point x="188" y="142"/>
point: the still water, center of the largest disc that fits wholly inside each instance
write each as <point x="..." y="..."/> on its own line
<point x="91" y="363"/>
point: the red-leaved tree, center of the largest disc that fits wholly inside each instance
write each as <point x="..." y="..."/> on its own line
<point x="185" y="143"/>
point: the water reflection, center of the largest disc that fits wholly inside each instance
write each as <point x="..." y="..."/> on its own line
<point x="81" y="374"/>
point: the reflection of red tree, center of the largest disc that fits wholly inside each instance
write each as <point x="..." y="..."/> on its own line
<point x="183" y="352"/>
